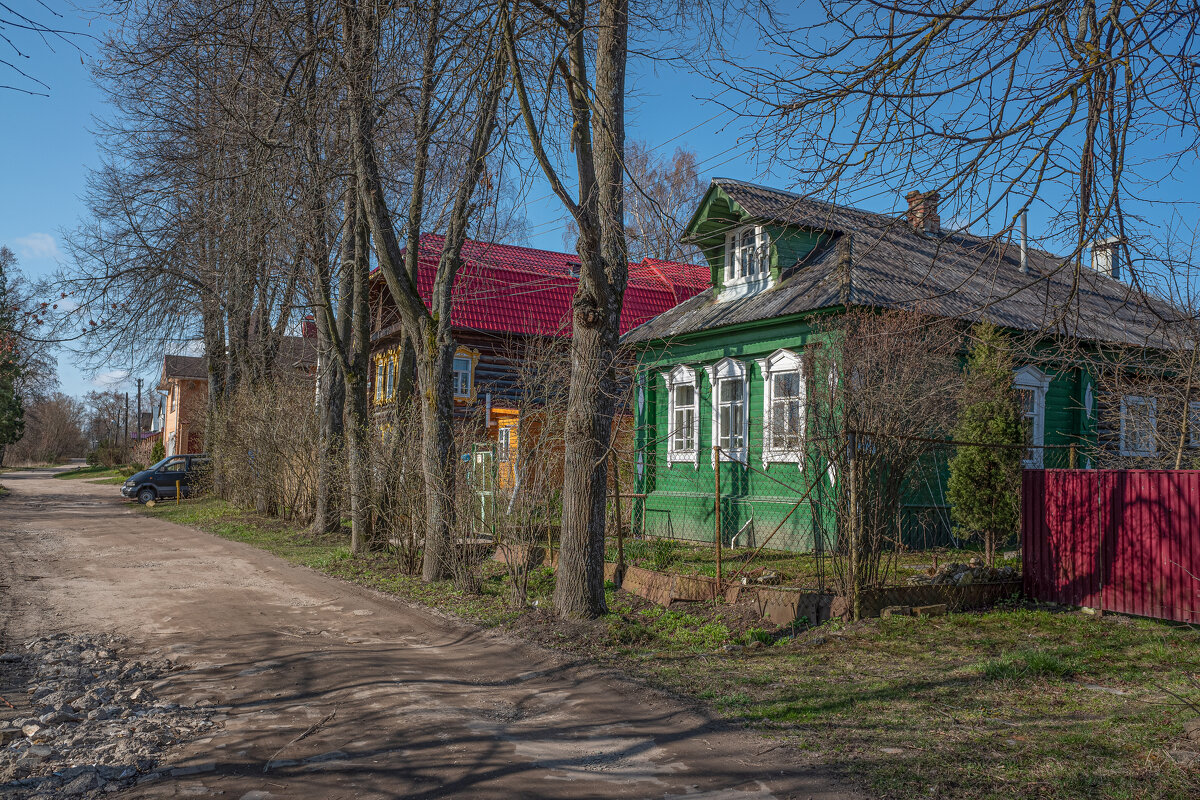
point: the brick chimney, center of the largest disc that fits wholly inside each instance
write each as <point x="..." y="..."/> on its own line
<point x="923" y="211"/>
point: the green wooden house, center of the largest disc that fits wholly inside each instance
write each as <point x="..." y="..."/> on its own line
<point x="725" y="367"/>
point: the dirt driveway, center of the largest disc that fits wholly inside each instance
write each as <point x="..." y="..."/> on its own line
<point x="398" y="702"/>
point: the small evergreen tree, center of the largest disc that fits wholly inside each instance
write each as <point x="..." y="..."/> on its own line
<point x="157" y="451"/>
<point x="12" y="410"/>
<point x="984" y="484"/>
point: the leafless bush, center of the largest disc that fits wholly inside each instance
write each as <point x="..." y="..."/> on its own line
<point x="263" y="448"/>
<point x="399" y="497"/>
<point x="1144" y="406"/>
<point x="53" y="431"/>
<point x="883" y="383"/>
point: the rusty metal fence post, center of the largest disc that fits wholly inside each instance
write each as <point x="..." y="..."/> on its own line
<point x="717" y="507"/>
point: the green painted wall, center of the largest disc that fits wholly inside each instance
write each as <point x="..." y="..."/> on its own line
<point x="679" y="497"/>
<point x="755" y="501"/>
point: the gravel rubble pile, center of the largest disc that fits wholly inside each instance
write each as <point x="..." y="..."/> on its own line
<point x="95" y="726"/>
<point x="966" y="575"/>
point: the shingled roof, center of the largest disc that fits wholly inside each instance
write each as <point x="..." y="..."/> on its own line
<point x="880" y="261"/>
<point x="185" y="367"/>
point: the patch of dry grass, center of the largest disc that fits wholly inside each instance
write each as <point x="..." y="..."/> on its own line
<point x="1016" y="703"/>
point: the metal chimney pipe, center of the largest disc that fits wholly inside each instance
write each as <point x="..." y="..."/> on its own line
<point x="1024" y="244"/>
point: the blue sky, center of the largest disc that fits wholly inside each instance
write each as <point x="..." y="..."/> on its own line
<point x="48" y="147"/>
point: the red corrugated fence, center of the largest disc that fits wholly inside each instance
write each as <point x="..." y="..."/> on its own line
<point x="1120" y="540"/>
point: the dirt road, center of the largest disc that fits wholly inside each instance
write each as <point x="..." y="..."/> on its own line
<point x="397" y="702"/>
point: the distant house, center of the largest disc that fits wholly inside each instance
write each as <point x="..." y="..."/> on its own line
<point x="184" y="384"/>
<point x="505" y="298"/>
<point x="721" y="367"/>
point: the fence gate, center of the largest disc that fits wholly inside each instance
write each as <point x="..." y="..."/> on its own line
<point x="1121" y="540"/>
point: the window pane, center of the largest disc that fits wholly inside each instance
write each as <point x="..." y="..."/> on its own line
<point x="786" y="384"/>
<point x="682" y="432"/>
<point x="735" y="433"/>
<point x="685" y="395"/>
<point x="746" y="255"/>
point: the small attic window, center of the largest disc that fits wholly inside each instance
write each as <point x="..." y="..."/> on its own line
<point x="573" y="268"/>
<point x="746" y="253"/>
<point x="747" y="262"/>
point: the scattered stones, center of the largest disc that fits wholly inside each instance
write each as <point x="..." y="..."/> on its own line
<point x="95" y="726"/>
<point x="938" y="610"/>
<point x="1191" y="729"/>
<point x="964" y="575"/>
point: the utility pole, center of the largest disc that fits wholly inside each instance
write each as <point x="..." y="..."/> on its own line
<point x="125" y="445"/>
<point x="139" y="409"/>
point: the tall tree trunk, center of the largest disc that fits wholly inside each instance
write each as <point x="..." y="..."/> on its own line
<point x="358" y="441"/>
<point x="327" y="513"/>
<point x="213" y="326"/>
<point x="438" y="459"/>
<point x="604" y="271"/>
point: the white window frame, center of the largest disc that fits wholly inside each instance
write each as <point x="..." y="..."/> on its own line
<point x="504" y="444"/>
<point x="379" y="380"/>
<point x="1141" y="400"/>
<point x="682" y="375"/>
<point x="391" y="380"/>
<point x="728" y="369"/>
<point x="1030" y="378"/>
<point x="781" y="361"/>
<point x="1193" y="424"/>
<point x="470" y="372"/>
<point x="744" y="277"/>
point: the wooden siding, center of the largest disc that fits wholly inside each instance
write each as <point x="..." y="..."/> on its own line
<point x="680" y="495"/>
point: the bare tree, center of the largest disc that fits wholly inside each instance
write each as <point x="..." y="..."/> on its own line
<point x="22" y="31"/>
<point x="53" y="431"/>
<point x="660" y="198"/>
<point x="461" y="77"/>
<point x="999" y="106"/>
<point x="881" y="392"/>
<point x="586" y="46"/>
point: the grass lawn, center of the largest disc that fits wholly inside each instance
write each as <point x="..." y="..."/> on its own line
<point x="98" y="471"/>
<point x="111" y="476"/>
<point x="1020" y="702"/>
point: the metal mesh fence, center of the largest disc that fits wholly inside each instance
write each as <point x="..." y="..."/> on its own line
<point x="737" y="517"/>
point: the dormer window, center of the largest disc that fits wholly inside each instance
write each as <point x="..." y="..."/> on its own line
<point x="747" y="261"/>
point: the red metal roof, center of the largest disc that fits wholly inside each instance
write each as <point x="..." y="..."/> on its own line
<point x="521" y="290"/>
